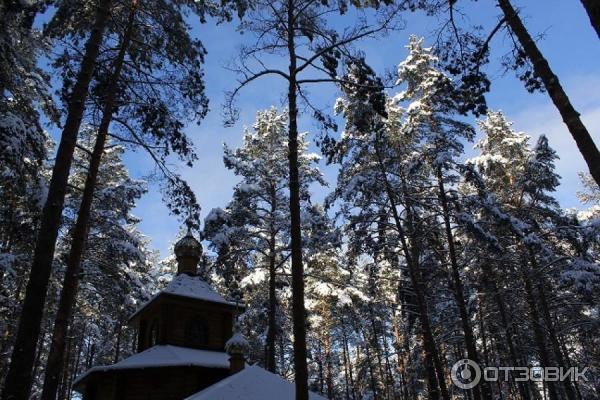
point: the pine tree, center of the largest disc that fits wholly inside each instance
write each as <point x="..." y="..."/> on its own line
<point x="18" y="380"/>
<point x="23" y="187"/>
<point x="256" y="223"/>
<point x="115" y="261"/>
<point x="118" y="93"/>
<point x="369" y="144"/>
<point x="432" y="115"/>
<point x="155" y="118"/>
<point x="289" y="28"/>
<point x="466" y="51"/>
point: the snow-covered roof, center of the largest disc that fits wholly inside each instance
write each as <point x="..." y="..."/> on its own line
<point x="165" y="356"/>
<point x="192" y="287"/>
<point x="251" y="383"/>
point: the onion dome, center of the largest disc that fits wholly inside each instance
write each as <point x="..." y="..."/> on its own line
<point x="187" y="252"/>
<point x="237" y="344"/>
<point x="237" y="347"/>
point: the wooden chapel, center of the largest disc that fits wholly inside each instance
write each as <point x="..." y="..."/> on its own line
<point x="182" y="332"/>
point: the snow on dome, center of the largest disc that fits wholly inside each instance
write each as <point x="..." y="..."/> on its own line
<point x="237" y="344"/>
<point x="166" y="356"/>
<point x="252" y="383"/>
<point x="188" y="246"/>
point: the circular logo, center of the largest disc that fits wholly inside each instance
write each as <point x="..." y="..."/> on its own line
<point x="465" y="374"/>
<point x="537" y="374"/>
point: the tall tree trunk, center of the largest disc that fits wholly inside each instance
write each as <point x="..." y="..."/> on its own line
<point x="321" y="374"/>
<point x="374" y="343"/>
<point x="7" y="339"/>
<point x="399" y="339"/>
<point x="369" y="359"/>
<point x="415" y="250"/>
<point x="39" y="349"/>
<point x="570" y="116"/>
<point x="484" y="347"/>
<point x="64" y="383"/>
<point x="537" y="330"/>
<point x="389" y="381"/>
<point x="19" y="378"/>
<point x="566" y="353"/>
<point x="457" y="286"/>
<point x="69" y="290"/>
<point x="328" y="365"/>
<point x="79" y="353"/>
<point x="490" y="281"/>
<point x="347" y="354"/>
<point x="298" y="310"/>
<point x="119" y="333"/>
<point x="593" y="10"/>
<point x="345" y="360"/>
<point x="272" y="326"/>
<point x="569" y="390"/>
<point x="433" y="367"/>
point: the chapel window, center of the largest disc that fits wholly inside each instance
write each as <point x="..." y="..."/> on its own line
<point x="196" y="332"/>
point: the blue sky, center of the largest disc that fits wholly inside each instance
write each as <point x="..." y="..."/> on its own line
<point x="569" y="43"/>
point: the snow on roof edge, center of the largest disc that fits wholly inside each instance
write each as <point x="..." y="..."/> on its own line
<point x="236" y="387"/>
<point x="164" y="356"/>
<point x="195" y="288"/>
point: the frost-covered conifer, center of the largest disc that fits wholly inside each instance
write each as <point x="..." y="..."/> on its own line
<point x="251" y="235"/>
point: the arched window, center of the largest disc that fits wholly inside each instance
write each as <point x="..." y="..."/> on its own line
<point x="196" y="332"/>
<point x="153" y="334"/>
